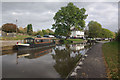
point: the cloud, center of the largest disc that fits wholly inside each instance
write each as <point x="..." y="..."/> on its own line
<point x="104" y="13"/>
<point x="61" y="1"/>
<point x="41" y="14"/>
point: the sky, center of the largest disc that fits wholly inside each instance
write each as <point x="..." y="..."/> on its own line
<point x="40" y="14"/>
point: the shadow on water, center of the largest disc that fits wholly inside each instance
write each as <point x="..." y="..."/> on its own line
<point x="52" y="62"/>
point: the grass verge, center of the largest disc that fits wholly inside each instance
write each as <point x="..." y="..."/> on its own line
<point x="18" y="37"/>
<point x="110" y="52"/>
<point x="75" y="39"/>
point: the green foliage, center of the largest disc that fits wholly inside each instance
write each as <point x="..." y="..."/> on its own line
<point x="96" y="31"/>
<point x="86" y="32"/>
<point x="40" y="33"/>
<point x="45" y="32"/>
<point x="105" y="33"/>
<point x="118" y="35"/>
<point x="68" y="17"/>
<point x="23" y="30"/>
<point x="111" y="52"/>
<point x="18" y="37"/>
<point x="50" y="32"/>
<point x="9" y="28"/>
<point x="29" y="29"/>
<point x="80" y="40"/>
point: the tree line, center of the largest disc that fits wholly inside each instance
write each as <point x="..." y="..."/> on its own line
<point x="96" y="31"/>
<point x="71" y="16"/>
<point x="10" y="27"/>
<point x="65" y="18"/>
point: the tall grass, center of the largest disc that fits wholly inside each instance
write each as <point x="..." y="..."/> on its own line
<point x="110" y="51"/>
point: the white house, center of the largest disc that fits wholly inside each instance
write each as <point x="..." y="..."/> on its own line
<point x="75" y="33"/>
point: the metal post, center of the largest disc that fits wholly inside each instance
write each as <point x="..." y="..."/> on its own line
<point x="16" y="26"/>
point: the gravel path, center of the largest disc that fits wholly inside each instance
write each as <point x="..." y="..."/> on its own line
<point x="93" y="66"/>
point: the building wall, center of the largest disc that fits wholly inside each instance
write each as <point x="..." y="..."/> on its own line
<point x="4" y="34"/>
<point x="77" y="34"/>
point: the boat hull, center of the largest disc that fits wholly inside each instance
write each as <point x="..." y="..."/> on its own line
<point x="35" y="46"/>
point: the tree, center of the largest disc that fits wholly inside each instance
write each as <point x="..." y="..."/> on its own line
<point x="118" y="35"/>
<point x="67" y="17"/>
<point x="9" y="27"/>
<point x="40" y="33"/>
<point x="50" y="32"/>
<point x="23" y="30"/>
<point x="29" y="29"/>
<point x="105" y="33"/>
<point x="34" y="33"/>
<point x="94" y="29"/>
<point x="45" y="32"/>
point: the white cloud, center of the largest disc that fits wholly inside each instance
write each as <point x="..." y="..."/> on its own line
<point x="20" y="13"/>
<point x="60" y="0"/>
<point x="104" y="13"/>
<point x="41" y="14"/>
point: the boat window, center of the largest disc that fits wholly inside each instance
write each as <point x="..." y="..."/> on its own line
<point x="51" y="40"/>
<point x="28" y="40"/>
<point x="41" y="40"/>
<point x="46" y="40"/>
<point x="37" y="40"/>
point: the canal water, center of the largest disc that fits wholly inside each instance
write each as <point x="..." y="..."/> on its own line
<point x="52" y="62"/>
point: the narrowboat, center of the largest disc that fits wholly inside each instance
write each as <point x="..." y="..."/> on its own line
<point x="35" y="43"/>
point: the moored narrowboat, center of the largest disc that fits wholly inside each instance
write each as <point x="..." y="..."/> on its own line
<point x="35" y="43"/>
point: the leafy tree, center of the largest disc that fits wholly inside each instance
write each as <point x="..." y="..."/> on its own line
<point x="29" y="29"/>
<point x="23" y="30"/>
<point x="50" y="32"/>
<point x="105" y="33"/>
<point x="34" y="33"/>
<point x="94" y="29"/>
<point x="86" y="32"/>
<point x="118" y="35"/>
<point x="9" y="28"/>
<point x="67" y="17"/>
<point x="45" y="32"/>
<point x="40" y="33"/>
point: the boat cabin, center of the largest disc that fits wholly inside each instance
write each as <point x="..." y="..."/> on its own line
<point x="37" y="40"/>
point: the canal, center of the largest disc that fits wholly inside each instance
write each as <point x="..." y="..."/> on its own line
<point x="52" y="62"/>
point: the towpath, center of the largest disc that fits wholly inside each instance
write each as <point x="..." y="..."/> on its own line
<point x="93" y="65"/>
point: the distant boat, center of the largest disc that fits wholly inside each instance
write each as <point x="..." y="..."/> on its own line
<point x="35" y="43"/>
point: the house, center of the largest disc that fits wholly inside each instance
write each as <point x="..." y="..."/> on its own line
<point x="75" y="33"/>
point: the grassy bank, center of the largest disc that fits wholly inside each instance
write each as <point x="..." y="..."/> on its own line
<point x="75" y="40"/>
<point x="18" y="37"/>
<point x="68" y="41"/>
<point x="110" y="51"/>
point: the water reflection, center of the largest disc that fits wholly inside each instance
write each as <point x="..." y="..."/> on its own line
<point x="66" y="57"/>
<point x="32" y="54"/>
<point x="52" y="62"/>
<point x="77" y="47"/>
